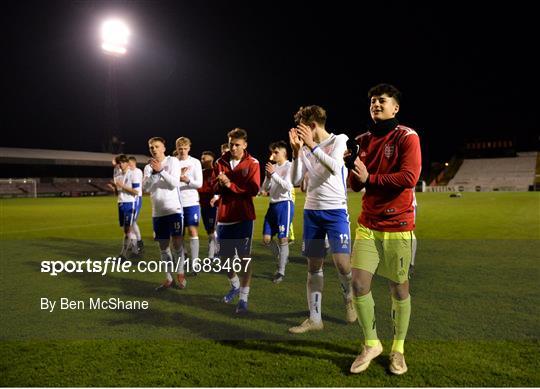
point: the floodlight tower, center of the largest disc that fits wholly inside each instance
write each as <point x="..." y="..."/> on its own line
<point x="114" y="33"/>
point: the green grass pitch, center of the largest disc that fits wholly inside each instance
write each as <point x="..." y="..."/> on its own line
<point x="475" y="295"/>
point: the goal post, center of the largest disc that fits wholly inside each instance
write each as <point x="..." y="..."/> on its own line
<point x="18" y="187"/>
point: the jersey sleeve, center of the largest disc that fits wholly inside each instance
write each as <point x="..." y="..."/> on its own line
<point x="298" y="170"/>
<point x="136" y="179"/>
<point x="251" y="184"/>
<point x="333" y="161"/>
<point x="285" y="183"/>
<point x="214" y="181"/>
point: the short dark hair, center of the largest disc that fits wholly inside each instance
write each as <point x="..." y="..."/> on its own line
<point x="121" y="158"/>
<point x="132" y="158"/>
<point x="156" y="139"/>
<point x="280" y="144"/>
<point x="209" y="153"/>
<point x="310" y="114"/>
<point x="388" y="89"/>
<point x="238" y="133"/>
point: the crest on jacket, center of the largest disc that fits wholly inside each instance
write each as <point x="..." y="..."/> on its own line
<point x="388" y="150"/>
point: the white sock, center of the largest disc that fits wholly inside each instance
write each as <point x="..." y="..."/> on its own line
<point x="194" y="247"/>
<point x="235" y="282"/>
<point x="283" y="257"/>
<point x="315" y="283"/>
<point x="167" y="258"/>
<point x="211" y="245"/>
<point x="244" y="293"/>
<point x="133" y="243"/>
<point x="178" y="259"/>
<point x="137" y="231"/>
<point x="345" y="282"/>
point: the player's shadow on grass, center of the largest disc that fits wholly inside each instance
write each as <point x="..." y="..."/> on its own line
<point x="289" y="318"/>
<point x="224" y="331"/>
<point x="77" y="249"/>
<point x="113" y="285"/>
<point x="98" y="285"/>
<point x="263" y="275"/>
<point x="128" y="287"/>
<point x="201" y="327"/>
<point x="340" y="356"/>
<point x="298" y="259"/>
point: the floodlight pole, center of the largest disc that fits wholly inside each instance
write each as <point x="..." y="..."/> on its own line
<point x="112" y="138"/>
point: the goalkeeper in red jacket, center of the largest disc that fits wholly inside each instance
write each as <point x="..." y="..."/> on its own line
<point x="388" y="167"/>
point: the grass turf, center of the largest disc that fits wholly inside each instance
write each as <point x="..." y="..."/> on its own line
<point x="474" y="320"/>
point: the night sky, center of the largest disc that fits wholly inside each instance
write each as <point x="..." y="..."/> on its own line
<point x="200" y="68"/>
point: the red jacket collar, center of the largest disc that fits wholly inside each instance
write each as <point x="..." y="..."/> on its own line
<point x="227" y="157"/>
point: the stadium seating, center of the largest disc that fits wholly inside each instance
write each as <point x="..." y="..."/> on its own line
<point x="10" y="191"/>
<point x="496" y="174"/>
<point x="58" y="187"/>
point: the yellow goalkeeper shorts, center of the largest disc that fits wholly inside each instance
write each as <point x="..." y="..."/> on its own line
<point x="387" y="254"/>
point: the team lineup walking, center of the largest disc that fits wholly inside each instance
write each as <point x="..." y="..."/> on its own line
<point x="383" y="162"/>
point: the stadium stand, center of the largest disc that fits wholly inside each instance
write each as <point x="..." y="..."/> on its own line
<point x="496" y="174"/>
<point x="56" y="172"/>
<point x="11" y="191"/>
<point x="12" y="155"/>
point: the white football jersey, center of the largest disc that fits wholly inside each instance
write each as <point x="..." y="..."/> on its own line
<point x="279" y="185"/>
<point x="188" y="192"/>
<point x="128" y="179"/>
<point x="163" y="187"/>
<point x="327" y="174"/>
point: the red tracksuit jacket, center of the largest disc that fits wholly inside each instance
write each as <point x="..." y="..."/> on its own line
<point x="393" y="162"/>
<point x="236" y="202"/>
<point x="206" y="191"/>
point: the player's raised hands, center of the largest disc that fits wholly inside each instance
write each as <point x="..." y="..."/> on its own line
<point x="183" y="175"/>
<point x="223" y="180"/>
<point x="360" y="170"/>
<point x="155" y="165"/>
<point x="269" y="169"/>
<point x="306" y="135"/>
<point x="295" y="141"/>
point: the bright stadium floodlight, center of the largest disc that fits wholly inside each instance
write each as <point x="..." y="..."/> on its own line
<point x="115" y="35"/>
